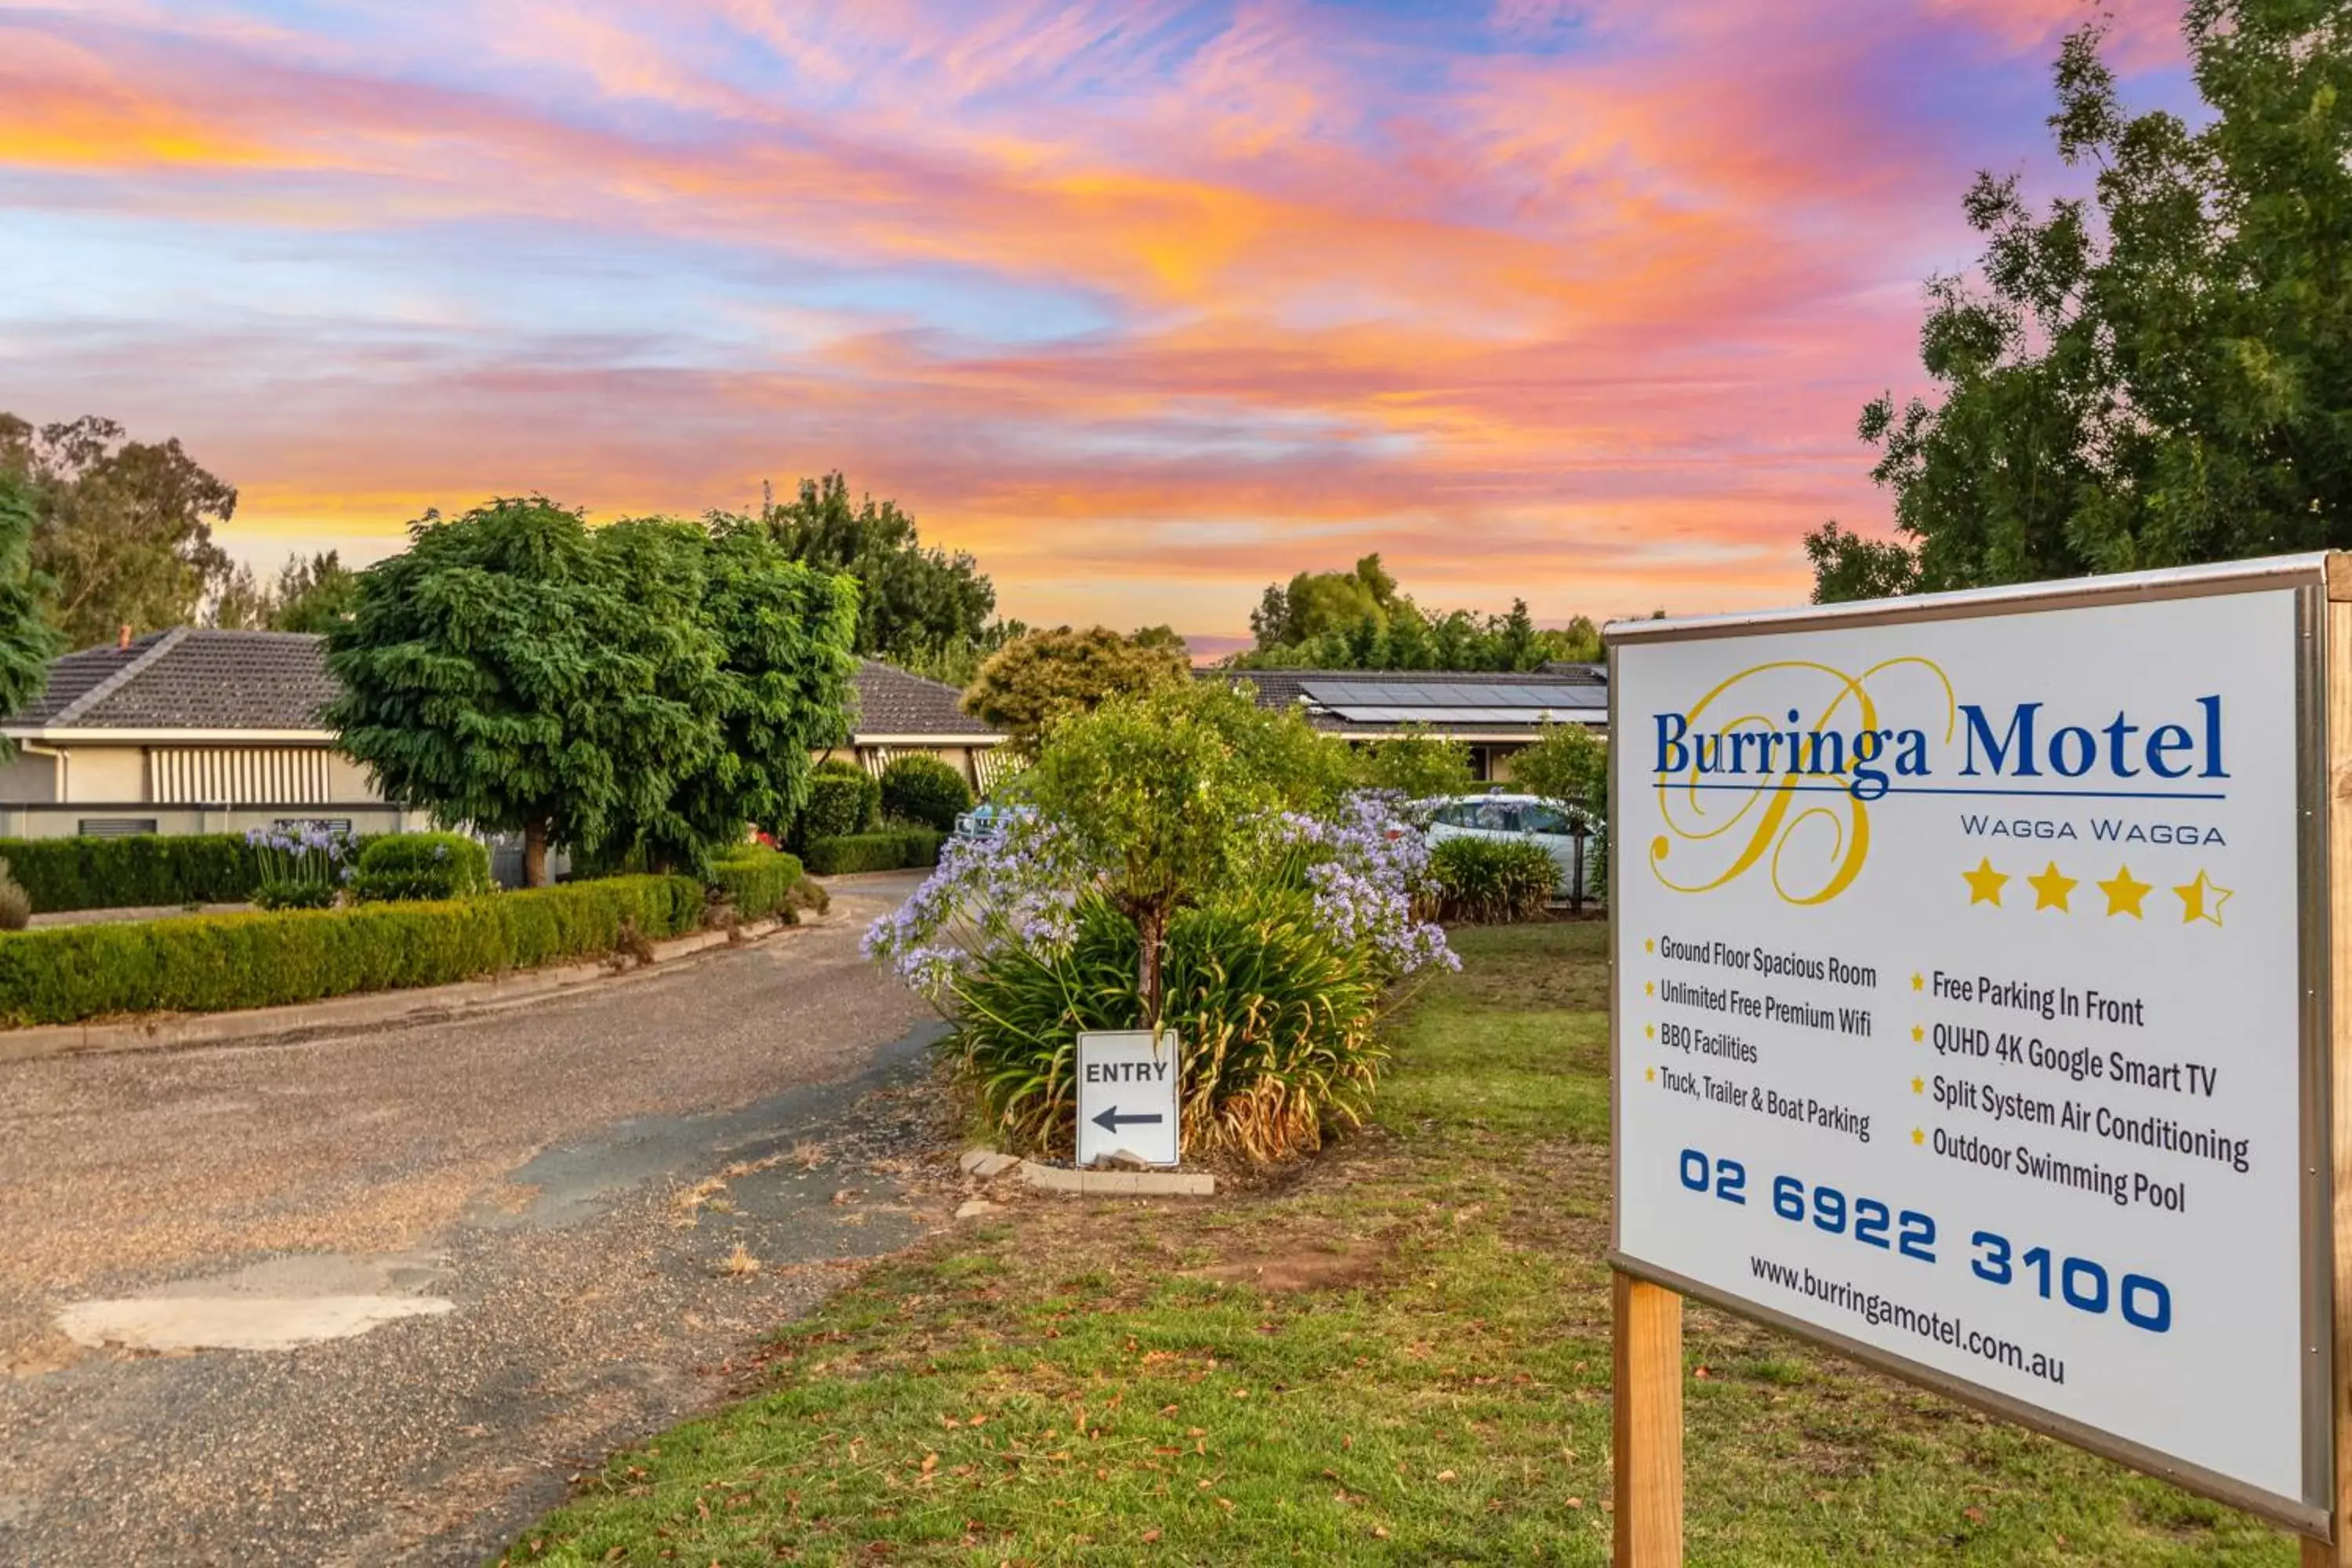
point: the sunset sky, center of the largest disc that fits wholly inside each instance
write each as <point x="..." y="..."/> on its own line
<point x="1144" y="304"/>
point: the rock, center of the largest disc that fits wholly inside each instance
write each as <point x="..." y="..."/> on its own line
<point x="1120" y="1159"/>
<point x="972" y="1208"/>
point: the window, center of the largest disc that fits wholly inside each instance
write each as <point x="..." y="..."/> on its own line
<point x="115" y="826"/>
<point x="1543" y="819"/>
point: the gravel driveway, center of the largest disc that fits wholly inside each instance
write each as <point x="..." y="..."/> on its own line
<point x="532" y="1235"/>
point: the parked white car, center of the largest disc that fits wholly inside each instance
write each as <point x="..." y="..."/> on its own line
<point x="1523" y="818"/>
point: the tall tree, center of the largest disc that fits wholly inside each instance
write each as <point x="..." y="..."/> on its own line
<point x="1035" y="680"/>
<point x="307" y="595"/>
<point x="2157" y="375"/>
<point x="122" y="532"/>
<point x="915" y="602"/>
<point x="647" y="684"/>
<point x="26" y="641"/>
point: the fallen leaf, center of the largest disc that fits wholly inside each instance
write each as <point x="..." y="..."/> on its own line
<point x="1445" y="1475"/>
<point x="1973" y="1515"/>
<point x="1576" y="1502"/>
<point x="1150" y="1535"/>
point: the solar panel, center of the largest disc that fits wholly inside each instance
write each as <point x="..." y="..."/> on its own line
<point x="1428" y="698"/>
<point x="1386" y="713"/>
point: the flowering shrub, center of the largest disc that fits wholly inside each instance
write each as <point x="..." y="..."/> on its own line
<point x="1278" y="1024"/>
<point x="300" y="865"/>
<point x="1274" y="984"/>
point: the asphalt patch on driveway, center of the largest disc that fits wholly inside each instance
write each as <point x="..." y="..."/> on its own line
<point x="610" y="1286"/>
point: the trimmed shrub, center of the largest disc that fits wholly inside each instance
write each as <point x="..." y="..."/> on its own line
<point x="891" y="850"/>
<point x="925" y="791"/>
<point x="395" y="865"/>
<point x="757" y="880"/>
<point x="843" y="799"/>
<point x="1276" y="1023"/>
<point x="140" y="871"/>
<point x="1492" y="880"/>
<point x="211" y="964"/>
<point x="16" y="906"/>
<point x="289" y="893"/>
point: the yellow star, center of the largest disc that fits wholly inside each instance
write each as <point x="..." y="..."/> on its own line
<point x="1650" y="1030"/>
<point x="1648" y="988"/>
<point x="1918" y="983"/>
<point x="1650" y="1076"/>
<point x="2202" y="899"/>
<point x="1918" y="1034"/>
<point x="1919" y="1136"/>
<point x="2050" y="887"/>
<point x="1651" y="945"/>
<point x="1984" y="883"/>
<point x="1918" y="1086"/>
<point x="2125" y="893"/>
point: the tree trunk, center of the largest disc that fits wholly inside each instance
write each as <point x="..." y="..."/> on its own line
<point x="1152" y="925"/>
<point x="534" y="853"/>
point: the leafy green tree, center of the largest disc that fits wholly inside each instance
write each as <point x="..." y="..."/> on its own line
<point x="2158" y="375"/>
<point x="1578" y="642"/>
<point x="1161" y="787"/>
<point x="122" y="530"/>
<point x="1037" y="679"/>
<point x="26" y="641"/>
<point x="916" y="605"/>
<point x="1360" y="620"/>
<point x="307" y="595"/>
<point x="1568" y="765"/>
<point x="649" y="686"/>
<point x="1848" y="566"/>
<point x="785" y="632"/>
<point x="1417" y="764"/>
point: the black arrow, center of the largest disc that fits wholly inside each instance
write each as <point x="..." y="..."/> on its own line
<point x="1111" y="1121"/>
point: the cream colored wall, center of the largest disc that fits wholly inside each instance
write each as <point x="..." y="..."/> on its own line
<point x="105" y="775"/>
<point x="347" y="781"/>
<point x="28" y="778"/>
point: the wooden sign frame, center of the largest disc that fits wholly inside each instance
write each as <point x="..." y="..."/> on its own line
<point x="1648" y="1429"/>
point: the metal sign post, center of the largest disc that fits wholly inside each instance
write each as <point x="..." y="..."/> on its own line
<point x="1128" y="1093"/>
<point x="1973" y="1014"/>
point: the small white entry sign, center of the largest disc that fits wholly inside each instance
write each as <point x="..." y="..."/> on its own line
<point x="1127" y="1096"/>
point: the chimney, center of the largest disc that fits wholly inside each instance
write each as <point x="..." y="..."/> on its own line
<point x="123" y="640"/>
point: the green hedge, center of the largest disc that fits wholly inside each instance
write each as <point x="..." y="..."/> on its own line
<point x="892" y="849"/>
<point x="142" y="871"/>
<point x="212" y="964"/>
<point x="757" y="881"/>
<point x="393" y="866"/>
<point x="843" y="799"/>
<point x="925" y="791"/>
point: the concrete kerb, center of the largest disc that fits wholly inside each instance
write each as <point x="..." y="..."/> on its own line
<point x="166" y="1031"/>
<point x="987" y="1163"/>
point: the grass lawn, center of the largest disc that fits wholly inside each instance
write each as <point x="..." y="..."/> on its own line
<point x="1401" y="1356"/>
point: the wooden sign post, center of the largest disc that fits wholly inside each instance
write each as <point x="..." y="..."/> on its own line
<point x="1982" y="1011"/>
<point x="1647" y="1443"/>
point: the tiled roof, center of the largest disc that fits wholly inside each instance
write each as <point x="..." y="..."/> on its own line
<point x="191" y="678"/>
<point x="892" y="702"/>
<point x="195" y="678"/>
<point x="1279" y="688"/>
